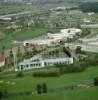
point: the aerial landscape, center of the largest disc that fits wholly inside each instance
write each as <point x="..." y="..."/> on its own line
<point x="48" y="49"/>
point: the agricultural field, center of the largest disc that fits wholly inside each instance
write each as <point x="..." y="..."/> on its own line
<point x="9" y="9"/>
<point x="15" y="85"/>
<point x="34" y="8"/>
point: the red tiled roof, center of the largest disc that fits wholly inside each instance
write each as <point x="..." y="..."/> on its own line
<point x="2" y="58"/>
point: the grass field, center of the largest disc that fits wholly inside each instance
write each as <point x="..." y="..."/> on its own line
<point x="28" y="83"/>
<point x="85" y="94"/>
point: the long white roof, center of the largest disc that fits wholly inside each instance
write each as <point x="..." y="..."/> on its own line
<point x="40" y="41"/>
<point x="53" y="37"/>
<point x="70" y="30"/>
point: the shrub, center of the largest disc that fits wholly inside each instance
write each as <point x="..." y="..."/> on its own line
<point x="89" y="7"/>
<point x="44" y="86"/>
<point x="72" y="68"/>
<point x="5" y="93"/>
<point x="66" y="51"/>
<point x="96" y="81"/>
<point x="46" y="73"/>
<point x="1" y="95"/>
<point x="39" y="89"/>
<point x="20" y="74"/>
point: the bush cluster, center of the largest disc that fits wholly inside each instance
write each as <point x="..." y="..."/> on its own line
<point x="72" y="68"/>
<point x="89" y="7"/>
<point x="47" y="73"/>
<point x="20" y="74"/>
<point x="96" y="81"/>
<point x="41" y="88"/>
<point x="3" y="94"/>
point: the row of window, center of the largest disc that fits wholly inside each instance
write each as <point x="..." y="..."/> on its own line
<point x="29" y="65"/>
<point x="33" y="65"/>
<point x="39" y="64"/>
<point x="54" y="63"/>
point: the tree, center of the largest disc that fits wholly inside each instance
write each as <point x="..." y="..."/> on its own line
<point x="78" y="50"/>
<point x="20" y="74"/>
<point x="86" y="32"/>
<point x="19" y="55"/>
<point x="39" y="89"/>
<point x="67" y="51"/>
<point x="1" y="95"/>
<point x="11" y="53"/>
<point x="57" y="52"/>
<point x="89" y="7"/>
<point x="3" y="49"/>
<point x="34" y="50"/>
<point x="44" y="86"/>
<point x="5" y="93"/>
<point x="62" y="43"/>
<point x="96" y="81"/>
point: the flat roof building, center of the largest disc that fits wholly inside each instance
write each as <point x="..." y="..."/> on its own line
<point x="52" y="38"/>
<point x="39" y="62"/>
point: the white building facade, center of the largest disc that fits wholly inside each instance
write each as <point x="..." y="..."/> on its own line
<point x="40" y="63"/>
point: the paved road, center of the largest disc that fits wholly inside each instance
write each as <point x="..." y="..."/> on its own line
<point x="85" y="47"/>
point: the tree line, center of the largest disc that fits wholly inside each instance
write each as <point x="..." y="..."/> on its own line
<point x="89" y="7"/>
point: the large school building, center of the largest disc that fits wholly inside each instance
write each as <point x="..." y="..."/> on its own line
<point x="38" y="62"/>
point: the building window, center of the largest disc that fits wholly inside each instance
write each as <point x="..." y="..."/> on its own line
<point x="39" y="64"/>
<point x="31" y="65"/>
<point x="36" y="65"/>
<point x="27" y="65"/>
<point x="22" y="67"/>
<point x="59" y="62"/>
<point x="49" y="63"/>
<point x="27" y="44"/>
<point x="45" y="63"/>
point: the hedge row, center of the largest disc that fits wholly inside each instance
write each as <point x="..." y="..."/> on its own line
<point x="47" y="73"/>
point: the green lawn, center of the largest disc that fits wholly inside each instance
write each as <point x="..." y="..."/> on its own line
<point x="85" y="94"/>
<point x="28" y="83"/>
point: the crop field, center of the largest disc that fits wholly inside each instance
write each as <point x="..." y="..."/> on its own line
<point x="8" y="9"/>
<point x="28" y="83"/>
